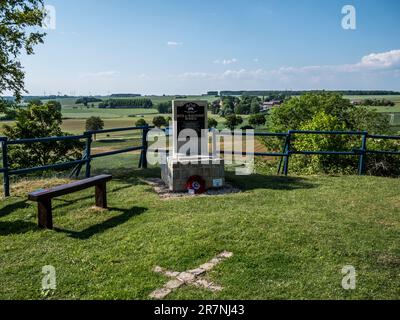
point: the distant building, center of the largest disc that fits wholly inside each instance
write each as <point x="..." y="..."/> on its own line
<point x="356" y="102"/>
<point x="266" y="106"/>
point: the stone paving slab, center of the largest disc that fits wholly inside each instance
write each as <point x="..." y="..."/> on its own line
<point x="191" y="277"/>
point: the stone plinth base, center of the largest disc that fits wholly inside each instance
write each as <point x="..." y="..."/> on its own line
<point x="176" y="172"/>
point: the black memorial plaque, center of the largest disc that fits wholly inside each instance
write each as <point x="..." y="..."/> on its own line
<point x="191" y="116"/>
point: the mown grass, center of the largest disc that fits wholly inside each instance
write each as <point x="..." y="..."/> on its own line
<point x="290" y="238"/>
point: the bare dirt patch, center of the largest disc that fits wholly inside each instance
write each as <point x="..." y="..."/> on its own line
<point x="389" y="260"/>
<point x="23" y="187"/>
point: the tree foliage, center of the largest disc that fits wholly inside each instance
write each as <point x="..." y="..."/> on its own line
<point x="377" y="103"/>
<point x="39" y="122"/>
<point x="165" y="107"/>
<point x="212" y="123"/>
<point x="331" y="112"/>
<point x="8" y="109"/>
<point x="34" y="102"/>
<point x="141" y="123"/>
<point x="160" y="121"/>
<point x="19" y="23"/>
<point x="298" y="110"/>
<point x="126" y="103"/>
<point x="86" y="100"/>
<point x="94" y="124"/>
<point x="55" y="104"/>
<point x="228" y="106"/>
<point x="233" y="120"/>
<point x="257" y="120"/>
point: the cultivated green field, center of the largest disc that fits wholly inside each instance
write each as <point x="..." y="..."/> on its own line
<point x="290" y="238"/>
<point x="76" y="115"/>
<point x="83" y="113"/>
<point x="395" y="99"/>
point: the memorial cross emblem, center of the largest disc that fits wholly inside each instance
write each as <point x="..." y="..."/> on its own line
<point x="193" y="277"/>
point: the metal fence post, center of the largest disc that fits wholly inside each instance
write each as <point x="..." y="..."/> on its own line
<point x="145" y="145"/>
<point x="6" y="177"/>
<point x="88" y="154"/>
<point x="287" y="151"/>
<point x="362" y="166"/>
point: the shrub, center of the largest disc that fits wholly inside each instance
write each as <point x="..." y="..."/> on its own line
<point x="39" y="122"/>
<point x="312" y="142"/>
<point x="331" y="112"/>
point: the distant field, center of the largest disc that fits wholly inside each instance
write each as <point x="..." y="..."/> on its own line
<point x="395" y="99"/>
<point x="71" y="110"/>
<point x="83" y="113"/>
<point x="70" y="102"/>
<point x="76" y="115"/>
<point x="76" y="125"/>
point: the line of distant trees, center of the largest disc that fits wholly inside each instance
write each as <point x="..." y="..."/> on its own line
<point x="86" y="100"/>
<point x="165" y="107"/>
<point x="125" y="95"/>
<point x="126" y="103"/>
<point x="376" y="103"/>
<point x="301" y="92"/>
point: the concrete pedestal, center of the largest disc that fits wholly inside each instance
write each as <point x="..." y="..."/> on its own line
<point x="177" y="170"/>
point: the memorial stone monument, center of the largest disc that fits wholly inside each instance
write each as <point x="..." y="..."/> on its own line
<point x="190" y="156"/>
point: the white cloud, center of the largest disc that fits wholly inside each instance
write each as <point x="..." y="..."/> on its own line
<point x="390" y="59"/>
<point x="256" y="60"/>
<point x="99" y="75"/>
<point x="144" y="76"/>
<point x="193" y="75"/>
<point x="174" y="44"/>
<point x="370" y="72"/>
<point x="225" y="61"/>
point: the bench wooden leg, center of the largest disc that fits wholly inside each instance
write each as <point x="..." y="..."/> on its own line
<point x="101" y="195"/>
<point x="45" y="216"/>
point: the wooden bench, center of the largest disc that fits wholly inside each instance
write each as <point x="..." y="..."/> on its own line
<point x="44" y="197"/>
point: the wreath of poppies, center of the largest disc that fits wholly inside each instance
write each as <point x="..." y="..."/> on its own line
<point x="196" y="183"/>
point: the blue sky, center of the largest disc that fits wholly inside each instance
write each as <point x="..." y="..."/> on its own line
<point x="192" y="46"/>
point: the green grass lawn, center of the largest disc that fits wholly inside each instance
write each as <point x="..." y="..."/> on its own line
<point x="290" y="238"/>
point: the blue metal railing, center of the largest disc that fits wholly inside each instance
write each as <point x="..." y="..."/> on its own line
<point x="288" y="151"/>
<point x="86" y="159"/>
<point x="285" y="155"/>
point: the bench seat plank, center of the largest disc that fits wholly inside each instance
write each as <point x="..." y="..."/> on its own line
<point x="43" y="197"/>
<point x="69" y="188"/>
